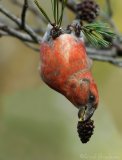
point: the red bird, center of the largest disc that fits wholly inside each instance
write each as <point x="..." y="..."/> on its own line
<point x="66" y="68"/>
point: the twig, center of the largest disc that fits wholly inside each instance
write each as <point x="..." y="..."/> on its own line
<point x="102" y="52"/>
<point x="13" y="32"/>
<point x="117" y="62"/>
<point x="23" y="14"/>
<point x="27" y="29"/>
<point x="32" y="47"/>
<point x="2" y="33"/>
<point x="31" y="9"/>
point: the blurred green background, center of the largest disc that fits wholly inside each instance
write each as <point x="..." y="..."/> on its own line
<point x="38" y="123"/>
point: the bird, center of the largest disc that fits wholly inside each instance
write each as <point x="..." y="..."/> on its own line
<point x="66" y="68"/>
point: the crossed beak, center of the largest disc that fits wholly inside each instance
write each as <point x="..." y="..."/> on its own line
<point x="85" y="113"/>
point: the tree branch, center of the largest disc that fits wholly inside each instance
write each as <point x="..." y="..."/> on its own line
<point x="13" y="32"/>
<point x="117" y="62"/>
<point x="102" y="52"/>
<point x="31" y="9"/>
<point x="27" y="28"/>
<point x="32" y="47"/>
<point x="23" y="14"/>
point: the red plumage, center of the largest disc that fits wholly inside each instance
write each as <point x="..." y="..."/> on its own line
<point x="66" y="68"/>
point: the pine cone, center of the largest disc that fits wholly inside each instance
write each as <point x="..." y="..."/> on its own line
<point x="85" y="130"/>
<point x="87" y="10"/>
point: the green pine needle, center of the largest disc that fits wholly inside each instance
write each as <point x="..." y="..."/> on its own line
<point x="55" y="5"/>
<point x="52" y="4"/>
<point x="62" y="12"/>
<point x="42" y="11"/>
<point x="56" y="9"/>
<point x="96" y="33"/>
<point x="57" y="12"/>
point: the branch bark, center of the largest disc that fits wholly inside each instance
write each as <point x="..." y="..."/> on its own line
<point x="14" y="33"/>
<point x="23" y="14"/>
<point x="17" y="21"/>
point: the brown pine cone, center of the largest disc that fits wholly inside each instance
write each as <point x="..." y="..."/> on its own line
<point x="87" y="10"/>
<point x="85" y="130"/>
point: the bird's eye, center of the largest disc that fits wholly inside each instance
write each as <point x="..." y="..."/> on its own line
<point x="91" y="98"/>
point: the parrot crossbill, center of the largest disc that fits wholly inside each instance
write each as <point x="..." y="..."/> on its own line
<point x="66" y="68"/>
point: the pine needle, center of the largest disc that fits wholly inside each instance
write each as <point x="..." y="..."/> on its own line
<point x="96" y="33"/>
<point x="57" y="8"/>
<point x="42" y="11"/>
<point x="55" y="2"/>
<point x="57" y="11"/>
<point x="62" y="12"/>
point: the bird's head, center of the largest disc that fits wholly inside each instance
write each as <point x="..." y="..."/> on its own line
<point x="87" y="109"/>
